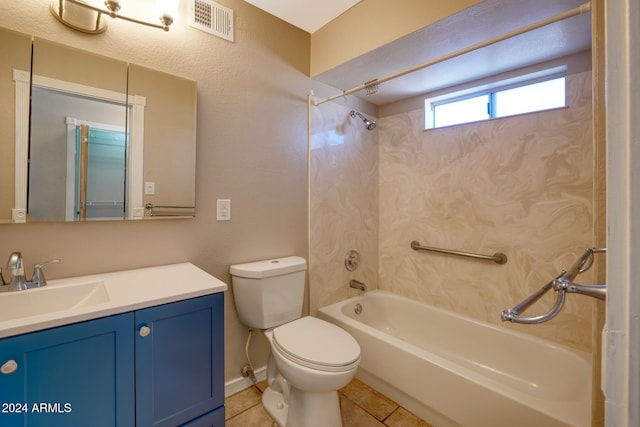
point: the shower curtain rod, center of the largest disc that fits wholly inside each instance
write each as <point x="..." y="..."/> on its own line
<point x="584" y="8"/>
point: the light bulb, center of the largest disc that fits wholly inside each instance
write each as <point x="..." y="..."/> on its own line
<point x="167" y="11"/>
<point x="114" y="6"/>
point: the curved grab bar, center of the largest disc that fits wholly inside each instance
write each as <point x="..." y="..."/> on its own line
<point x="590" y="260"/>
<point x="512" y="316"/>
<point x="562" y="284"/>
<point x="533" y="297"/>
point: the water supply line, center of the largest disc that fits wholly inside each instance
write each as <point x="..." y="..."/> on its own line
<point x="562" y="284"/>
<point x="247" y="370"/>
<point x="584" y="8"/>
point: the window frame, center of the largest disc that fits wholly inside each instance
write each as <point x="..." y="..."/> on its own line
<point x="491" y="90"/>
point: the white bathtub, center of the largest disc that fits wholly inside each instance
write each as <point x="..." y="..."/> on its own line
<point x="455" y="371"/>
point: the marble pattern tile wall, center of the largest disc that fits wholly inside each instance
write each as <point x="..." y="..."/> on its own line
<point x="343" y="203"/>
<point x="521" y="185"/>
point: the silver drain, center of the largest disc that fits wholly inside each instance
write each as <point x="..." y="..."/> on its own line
<point x="358" y="309"/>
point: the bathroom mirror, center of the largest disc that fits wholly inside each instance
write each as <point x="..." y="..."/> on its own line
<point x="107" y="140"/>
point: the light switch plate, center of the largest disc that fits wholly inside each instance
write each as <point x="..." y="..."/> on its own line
<point x="224" y="210"/>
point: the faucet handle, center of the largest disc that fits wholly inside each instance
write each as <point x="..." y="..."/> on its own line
<point x="38" y="274"/>
<point x="2" y="282"/>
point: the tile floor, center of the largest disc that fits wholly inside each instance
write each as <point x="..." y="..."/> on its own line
<point x="361" y="406"/>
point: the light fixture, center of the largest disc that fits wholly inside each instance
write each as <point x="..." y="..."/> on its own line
<point x="82" y="16"/>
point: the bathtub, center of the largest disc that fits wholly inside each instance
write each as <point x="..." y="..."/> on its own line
<point x="452" y="370"/>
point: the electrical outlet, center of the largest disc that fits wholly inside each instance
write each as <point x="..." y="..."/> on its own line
<point x="224" y="210"/>
<point x="149" y="188"/>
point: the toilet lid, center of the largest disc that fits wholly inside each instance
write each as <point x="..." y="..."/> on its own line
<point x="317" y="344"/>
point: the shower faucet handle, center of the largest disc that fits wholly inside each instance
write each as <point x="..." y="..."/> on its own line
<point x="352" y="260"/>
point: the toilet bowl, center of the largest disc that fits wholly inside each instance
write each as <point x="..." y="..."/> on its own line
<point x="310" y="359"/>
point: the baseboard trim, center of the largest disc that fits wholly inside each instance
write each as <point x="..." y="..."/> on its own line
<point x="238" y="384"/>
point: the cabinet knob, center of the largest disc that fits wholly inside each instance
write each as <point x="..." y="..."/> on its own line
<point x="144" y="331"/>
<point x="9" y="367"/>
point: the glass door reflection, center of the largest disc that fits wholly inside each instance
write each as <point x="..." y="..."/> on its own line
<point x="100" y="174"/>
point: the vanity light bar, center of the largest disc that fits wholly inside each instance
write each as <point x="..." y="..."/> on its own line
<point x="74" y="19"/>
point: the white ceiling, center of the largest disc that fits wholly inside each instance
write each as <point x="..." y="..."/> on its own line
<point x="484" y="21"/>
<point x="309" y="15"/>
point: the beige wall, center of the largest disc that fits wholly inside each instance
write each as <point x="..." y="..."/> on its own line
<point x="374" y="23"/>
<point x="15" y="51"/>
<point x="521" y="185"/>
<point x="251" y="148"/>
<point x="343" y="203"/>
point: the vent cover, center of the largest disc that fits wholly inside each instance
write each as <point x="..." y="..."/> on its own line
<point x="212" y="18"/>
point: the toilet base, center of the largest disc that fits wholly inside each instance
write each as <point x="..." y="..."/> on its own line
<point x="275" y="406"/>
<point x="304" y="409"/>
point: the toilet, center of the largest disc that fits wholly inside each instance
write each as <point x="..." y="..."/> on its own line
<point x="310" y="359"/>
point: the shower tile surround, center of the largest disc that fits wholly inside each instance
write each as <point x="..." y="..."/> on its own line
<point x="521" y="185"/>
<point x="344" y="203"/>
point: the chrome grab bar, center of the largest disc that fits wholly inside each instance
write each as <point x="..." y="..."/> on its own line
<point x="498" y="257"/>
<point x="534" y="297"/>
<point x="596" y="291"/>
<point x="562" y="284"/>
<point x="513" y="316"/>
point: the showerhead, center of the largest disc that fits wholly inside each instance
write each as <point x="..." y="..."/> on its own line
<point x="371" y="124"/>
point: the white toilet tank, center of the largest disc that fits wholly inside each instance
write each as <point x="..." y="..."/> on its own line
<point x="269" y="293"/>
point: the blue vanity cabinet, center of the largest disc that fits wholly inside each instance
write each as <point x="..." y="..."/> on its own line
<point x="180" y="363"/>
<point x="158" y="366"/>
<point x="72" y="375"/>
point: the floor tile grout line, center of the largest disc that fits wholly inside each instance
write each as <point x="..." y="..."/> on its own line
<point x="390" y="414"/>
<point x="340" y="394"/>
<point x="397" y="406"/>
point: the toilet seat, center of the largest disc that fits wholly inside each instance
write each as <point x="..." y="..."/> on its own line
<point x="317" y="344"/>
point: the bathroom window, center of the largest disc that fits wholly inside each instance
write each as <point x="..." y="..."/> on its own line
<point x="501" y="101"/>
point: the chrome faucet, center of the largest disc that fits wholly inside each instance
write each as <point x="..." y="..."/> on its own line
<point x="16" y="269"/>
<point x="18" y="281"/>
<point x="355" y="284"/>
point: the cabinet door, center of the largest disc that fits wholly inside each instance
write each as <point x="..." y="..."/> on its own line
<point x="212" y="419"/>
<point x="76" y="375"/>
<point x="179" y="361"/>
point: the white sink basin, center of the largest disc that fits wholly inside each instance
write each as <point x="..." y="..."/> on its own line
<point x="76" y="299"/>
<point x="50" y="299"/>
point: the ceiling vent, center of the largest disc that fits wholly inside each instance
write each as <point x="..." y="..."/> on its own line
<point x="212" y="18"/>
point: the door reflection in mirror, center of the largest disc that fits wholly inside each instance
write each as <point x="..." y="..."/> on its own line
<point x="160" y="133"/>
<point x="55" y="179"/>
<point x="99" y="174"/>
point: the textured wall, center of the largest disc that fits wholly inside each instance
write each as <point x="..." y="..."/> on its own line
<point x="251" y="148"/>
<point x="343" y="203"/>
<point x="374" y="23"/>
<point x="521" y="185"/>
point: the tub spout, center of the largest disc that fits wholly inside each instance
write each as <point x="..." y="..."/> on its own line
<point x="355" y="284"/>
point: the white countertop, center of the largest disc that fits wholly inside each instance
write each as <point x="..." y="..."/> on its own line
<point x="125" y="291"/>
